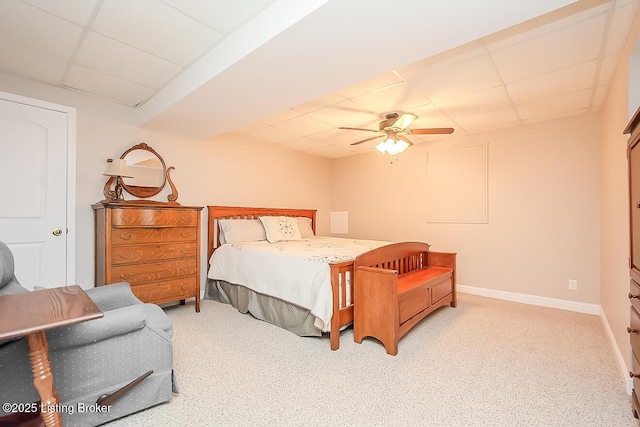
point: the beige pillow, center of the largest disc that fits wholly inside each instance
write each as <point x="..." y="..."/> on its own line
<point x="281" y="228"/>
<point x="304" y="224"/>
<point x="241" y="230"/>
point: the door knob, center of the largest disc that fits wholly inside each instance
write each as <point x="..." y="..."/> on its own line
<point x="57" y="231"/>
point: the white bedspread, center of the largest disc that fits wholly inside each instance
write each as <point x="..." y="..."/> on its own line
<point x="295" y="271"/>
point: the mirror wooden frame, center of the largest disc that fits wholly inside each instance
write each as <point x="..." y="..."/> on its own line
<point x="143" y="192"/>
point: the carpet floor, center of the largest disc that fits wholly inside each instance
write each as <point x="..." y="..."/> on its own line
<point x="487" y="362"/>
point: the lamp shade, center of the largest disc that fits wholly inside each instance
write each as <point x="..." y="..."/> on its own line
<point x="118" y="167"/>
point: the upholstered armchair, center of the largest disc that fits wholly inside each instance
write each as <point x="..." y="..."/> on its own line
<point x="96" y="358"/>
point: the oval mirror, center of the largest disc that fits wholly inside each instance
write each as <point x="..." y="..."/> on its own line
<point x="148" y="169"/>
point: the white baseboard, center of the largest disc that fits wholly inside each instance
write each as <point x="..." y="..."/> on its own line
<point x="580" y="307"/>
<point x="621" y="365"/>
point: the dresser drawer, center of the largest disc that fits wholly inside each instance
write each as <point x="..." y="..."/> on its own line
<point x="153" y="271"/>
<point x="169" y="290"/>
<point x="128" y="236"/>
<point x="153" y="217"/>
<point x="156" y="252"/>
<point x="635" y="368"/>
<point x="634" y="324"/>
<point x="634" y="290"/>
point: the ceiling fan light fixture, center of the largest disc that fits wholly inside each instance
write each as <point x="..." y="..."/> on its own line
<point x="393" y="128"/>
<point x="392" y="147"/>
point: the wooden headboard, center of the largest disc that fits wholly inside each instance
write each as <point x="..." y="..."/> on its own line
<point x="235" y="212"/>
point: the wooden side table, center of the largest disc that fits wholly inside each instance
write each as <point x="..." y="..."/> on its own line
<point x="32" y="313"/>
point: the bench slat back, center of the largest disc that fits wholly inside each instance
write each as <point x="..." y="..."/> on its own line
<point x="403" y="257"/>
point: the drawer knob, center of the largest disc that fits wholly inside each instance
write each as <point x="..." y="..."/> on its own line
<point x="126" y="237"/>
<point x="632" y="296"/>
<point x="632" y="375"/>
<point x="631" y="331"/>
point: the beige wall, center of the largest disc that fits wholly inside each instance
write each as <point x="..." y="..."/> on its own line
<point x="544" y="207"/>
<point x="225" y="171"/>
<point x="614" y="280"/>
<point x="557" y="194"/>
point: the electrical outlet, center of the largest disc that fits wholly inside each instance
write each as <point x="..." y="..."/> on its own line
<point x="573" y="285"/>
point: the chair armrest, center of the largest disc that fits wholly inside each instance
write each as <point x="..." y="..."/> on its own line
<point x="113" y="296"/>
<point x="116" y="322"/>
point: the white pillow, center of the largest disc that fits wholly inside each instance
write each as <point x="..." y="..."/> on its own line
<point x="304" y="224"/>
<point x="281" y="228"/>
<point x="241" y="230"/>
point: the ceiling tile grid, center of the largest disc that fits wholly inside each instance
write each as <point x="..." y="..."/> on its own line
<point x="556" y="65"/>
<point x="120" y="51"/>
<point x="559" y="68"/>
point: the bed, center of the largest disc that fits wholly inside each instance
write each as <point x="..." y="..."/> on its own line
<point x="326" y="307"/>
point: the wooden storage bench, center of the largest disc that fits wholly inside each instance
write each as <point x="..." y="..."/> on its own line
<point x="398" y="285"/>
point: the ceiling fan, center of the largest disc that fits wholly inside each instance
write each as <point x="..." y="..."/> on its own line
<point x="393" y="129"/>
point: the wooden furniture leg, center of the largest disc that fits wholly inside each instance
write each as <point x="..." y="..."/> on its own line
<point x="43" y="378"/>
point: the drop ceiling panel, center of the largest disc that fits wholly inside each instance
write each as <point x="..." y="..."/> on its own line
<point x="121" y="60"/>
<point x="401" y="97"/>
<point x="303" y="126"/>
<point x="482" y="121"/>
<point x="559" y="116"/>
<point x="303" y="144"/>
<point x="555" y="65"/>
<point x="486" y="100"/>
<point x="557" y="106"/>
<point x="251" y="127"/>
<point x="280" y="117"/>
<point x="319" y="103"/>
<point x="580" y="43"/>
<point x="619" y="28"/>
<point x="221" y="15"/>
<point x="369" y="86"/>
<point x="106" y="86"/>
<point x="345" y="113"/>
<point x="155" y="27"/>
<point x="20" y="61"/>
<point x="431" y="116"/>
<point x="544" y="25"/>
<point x="25" y="25"/>
<point x="553" y="84"/>
<point x="76" y="11"/>
<point x="338" y="137"/>
<point x="471" y="76"/>
<point x="442" y="61"/>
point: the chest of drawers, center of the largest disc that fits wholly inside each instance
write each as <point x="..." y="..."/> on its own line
<point x="155" y="248"/>
<point x="633" y="156"/>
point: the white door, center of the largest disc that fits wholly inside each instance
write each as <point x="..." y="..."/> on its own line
<point x="33" y="183"/>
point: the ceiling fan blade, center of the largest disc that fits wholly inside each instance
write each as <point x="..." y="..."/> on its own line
<point x="365" y="140"/>
<point x="368" y="130"/>
<point x="430" y="131"/>
<point x="404" y="121"/>
<point x="405" y="139"/>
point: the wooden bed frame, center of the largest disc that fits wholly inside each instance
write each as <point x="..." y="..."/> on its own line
<point x="341" y="272"/>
